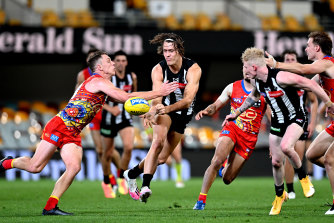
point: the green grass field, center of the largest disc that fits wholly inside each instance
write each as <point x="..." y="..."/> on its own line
<point x="245" y="200"/>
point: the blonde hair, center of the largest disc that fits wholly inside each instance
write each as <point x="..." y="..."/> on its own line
<point x="254" y="56"/>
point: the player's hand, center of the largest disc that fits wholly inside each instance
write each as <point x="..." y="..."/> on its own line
<point x="270" y="61"/>
<point x="310" y="129"/>
<point x="201" y="114"/>
<point x="115" y="111"/>
<point x="160" y="109"/>
<point x="149" y="119"/>
<point x="330" y="111"/>
<point x="167" y="88"/>
<point x="228" y="118"/>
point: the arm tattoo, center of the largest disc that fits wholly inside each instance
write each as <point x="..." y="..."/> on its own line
<point x="211" y="109"/>
<point x="247" y="104"/>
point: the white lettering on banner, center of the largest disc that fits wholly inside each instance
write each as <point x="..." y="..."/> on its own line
<point x="38" y="42"/>
<point x="90" y="169"/>
<point x="96" y="37"/>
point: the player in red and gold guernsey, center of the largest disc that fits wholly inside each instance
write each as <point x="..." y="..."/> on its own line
<point x="95" y="126"/>
<point x="237" y="139"/>
<point x="63" y="131"/>
<point x="319" y="49"/>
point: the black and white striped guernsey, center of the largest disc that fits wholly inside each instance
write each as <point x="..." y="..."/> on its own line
<point x="178" y="94"/>
<point x="285" y="103"/>
<point x="125" y="84"/>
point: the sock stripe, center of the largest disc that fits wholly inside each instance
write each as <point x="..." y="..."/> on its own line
<point x="55" y="197"/>
<point x="11" y="163"/>
<point x="203" y="194"/>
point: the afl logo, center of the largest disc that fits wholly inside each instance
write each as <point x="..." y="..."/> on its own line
<point x="237" y="100"/>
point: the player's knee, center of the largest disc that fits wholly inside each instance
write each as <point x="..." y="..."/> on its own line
<point x="216" y="163"/>
<point x="309" y="156"/>
<point x="35" y="168"/>
<point x="227" y="179"/>
<point x="329" y="160"/>
<point x="74" y="167"/>
<point x="158" y="143"/>
<point x="285" y="148"/>
<point x="276" y="163"/>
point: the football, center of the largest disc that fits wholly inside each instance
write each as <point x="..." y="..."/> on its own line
<point x="136" y="106"/>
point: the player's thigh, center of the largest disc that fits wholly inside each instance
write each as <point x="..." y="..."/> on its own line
<point x="320" y="145"/>
<point x="127" y="135"/>
<point x="173" y="139"/>
<point x="291" y="135"/>
<point x="235" y="164"/>
<point x="71" y="155"/>
<point x="43" y="153"/>
<point x="108" y="144"/>
<point x="225" y="146"/>
<point x="161" y="129"/>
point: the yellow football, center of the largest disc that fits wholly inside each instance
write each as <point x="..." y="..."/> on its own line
<point x="136" y="106"/>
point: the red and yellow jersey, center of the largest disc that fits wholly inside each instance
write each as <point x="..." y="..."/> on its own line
<point x="327" y="83"/>
<point x="87" y="73"/>
<point x="250" y="120"/>
<point x="82" y="107"/>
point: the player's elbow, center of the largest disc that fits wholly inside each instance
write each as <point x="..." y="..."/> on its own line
<point x="187" y="103"/>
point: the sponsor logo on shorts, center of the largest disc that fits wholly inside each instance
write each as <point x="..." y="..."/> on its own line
<point x="299" y="120"/>
<point x="247" y="150"/>
<point x="226" y="132"/>
<point x="91" y="125"/>
<point x="54" y="138"/>
<point x="275" y="129"/>
<point x="105" y="131"/>
<point x="329" y="125"/>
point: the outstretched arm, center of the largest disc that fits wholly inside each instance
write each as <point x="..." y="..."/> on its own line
<point x="218" y="104"/>
<point x="316" y="67"/>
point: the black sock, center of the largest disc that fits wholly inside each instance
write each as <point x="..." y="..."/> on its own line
<point x="121" y="172"/>
<point x="290" y="187"/>
<point x="301" y="173"/>
<point x="135" y="172"/>
<point x="279" y="190"/>
<point x="147" y="180"/>
<point x="106" y="179"/>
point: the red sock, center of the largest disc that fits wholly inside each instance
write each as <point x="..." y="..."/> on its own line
<point x="202" y="197"/>
<point x="112" y="179"/>
<point x="52" y="202"/>
<point x="118" y="173"/>
<point x="224" y="164"/>
<point x="7" y="164"/>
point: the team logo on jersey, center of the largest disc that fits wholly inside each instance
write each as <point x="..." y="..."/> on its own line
<point x="257" y="104"/>
<point x="54" y="138"/>
<point x="276" y="94"/>
<point x="176" y="79"/>
<point x="300" y="93"/>
<point x="237" y="100"/>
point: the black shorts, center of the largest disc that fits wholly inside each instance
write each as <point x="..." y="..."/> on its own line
<point x="179" y="123"/>
<point x="111" y="129"/>
<point x="279" y="129"/>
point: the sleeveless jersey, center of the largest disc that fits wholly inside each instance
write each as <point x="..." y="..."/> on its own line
<point x="327" y="83"/>
<point x="250" y="120"/>
<point x="178" y="94"/>
<point x="82" y="107"/>
<point x="87" y="73"/>
<point x="125" y="84"/>
<point x="285" y="103"/>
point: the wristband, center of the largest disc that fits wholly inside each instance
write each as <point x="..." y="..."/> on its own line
<point x="328" y="104"/>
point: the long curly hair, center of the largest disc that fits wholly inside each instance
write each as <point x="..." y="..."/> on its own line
<point x="170" y="38"/>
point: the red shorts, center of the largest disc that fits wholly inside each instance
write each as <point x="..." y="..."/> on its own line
<point x="95" y="123"/>
<point x="244" y="143"/>
<point x="330" y="129"/>
<point x="56" y="133"/>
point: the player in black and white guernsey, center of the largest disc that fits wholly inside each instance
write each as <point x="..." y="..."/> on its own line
<point x="170" y="115"/>
<point x="116" y="120"/>
<point x="288" y="118"/>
